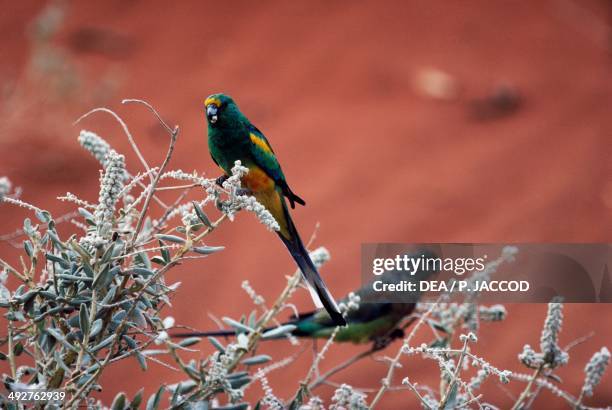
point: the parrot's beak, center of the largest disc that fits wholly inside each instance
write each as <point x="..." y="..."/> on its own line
<point x="211" y="113"/>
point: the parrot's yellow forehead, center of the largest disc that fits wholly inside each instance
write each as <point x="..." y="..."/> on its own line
<point x="212" y="100"/>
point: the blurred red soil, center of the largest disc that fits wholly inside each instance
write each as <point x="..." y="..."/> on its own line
<point x="332" y="85"/>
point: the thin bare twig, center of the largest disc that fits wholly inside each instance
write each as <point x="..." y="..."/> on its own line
<point x="125" y="130"/>
<point x="525" y="393"/>
<point x="325" y="376"/>
<point x="386" y="383"/>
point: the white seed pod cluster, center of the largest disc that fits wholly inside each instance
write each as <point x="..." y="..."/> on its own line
<point x="494" y="313"/>
<point x="320" y="256"/>
<point x="111" y="185"/>
<point x="5" y="187"/>
<point x="269" y="399"/>
<point x="595" y="369"/>
<point x="256" y="298"/>
<point x="249" y="203"/>
<point x="345" y="397"/>
<point x="549" y="341"/>
<point x="530" y="358"/>
<point x="218" y="371"/>
<point x="351" y="303"/>
<point x="314" y="403"/>
<point x="95" y="145"/>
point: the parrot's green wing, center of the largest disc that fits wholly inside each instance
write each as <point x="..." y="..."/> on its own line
<point x="264" y="157"/>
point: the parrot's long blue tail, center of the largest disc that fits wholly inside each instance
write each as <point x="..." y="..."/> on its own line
<point x="318" y="291"/>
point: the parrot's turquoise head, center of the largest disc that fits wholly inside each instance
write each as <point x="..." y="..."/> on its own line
<point x="220" y="110"/>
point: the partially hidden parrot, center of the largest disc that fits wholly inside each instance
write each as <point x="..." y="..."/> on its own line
<point x="232" y="137"/>
<point x="378" y="318"/>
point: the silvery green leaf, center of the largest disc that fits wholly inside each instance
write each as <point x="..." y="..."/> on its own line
<point x="174" y="389"/>
<point x="165" y="253"/>
<point x="48" y="295"/>
<point x="130" y="342"/>
<point x="143" y="259"/>
<point x="216" y="344"/>
<point x="74" y="278"/>
<point x="86" y="214"/>
<point x="452" y="399"/>
<point x="159" y="260"/>
<point x="105" y="343"/>
<point x="239" y="382"/>
<point x="196" y="227"/>
<point x="27" y="227"/>
<point x="135" y="404"/>
<point x="18" y="349"/>
<point x="84" y="253"/>
<point x="119" y="403"/>
<point x="142" y="361"/>
<point x="170" y="238"/>
<point x="73" y="321"/>
<point x="49" y="313"/>
<point x="78" y="300"/>
<point x="19" y="291"/>
<point x="118" y="248"/>
<point x="95" y="328"/>
<point x="84" y="319"/>
<point x="110" y="295"/>
<point x="108" y="253"/>
<point x="183" y="387"/>
<point x="138" y="318"/>
<point x="88" y="269"/>
<point x="15" y="316"/>
<point x="237" y="375"/>
<point x="207" y="250"/>
<point x="190" y="341"/>
<point x="104" y="277"/>
<point x="142" y="271"/>
<point x="64" y="264"/>
<point x="253" y="319"/>
<point x="237" y="325"/>
<point x="26" y="296"/>
<point x="44" y="240"/>
<point x="153" y="402"/>
<point x="56" y="240"/>
<point x="119" y="316"/>
<point x="29" y="250"/>
<point x="296" y="403"/>
<point x="43" y="216"/>
<point x="259" y="359"/>
<point x="58" y="359"/>
<point x="201" y="215"/>
<point x="60" y="338"/>
<point x="145" y="302"/>
<point x="94" y="367"/>
<point x="191" y="370"/>
<point x="242" y="340"/>
<point x="279" y="331"/>
<point x="83" y="380"/>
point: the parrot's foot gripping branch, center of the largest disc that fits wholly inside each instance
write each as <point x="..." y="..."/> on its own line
<point x="240" y="191"/>
<point x="219" y="181"/>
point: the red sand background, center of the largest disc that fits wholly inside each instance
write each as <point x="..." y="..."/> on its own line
<point x="333" y="87"/>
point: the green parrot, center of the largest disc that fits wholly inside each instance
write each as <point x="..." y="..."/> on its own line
<point x="232" y="137"/>
<point x="377" y="322"/>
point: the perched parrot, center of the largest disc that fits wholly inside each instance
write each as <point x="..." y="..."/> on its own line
<point x="232" y="137"/>
<point x="377" y="322"/>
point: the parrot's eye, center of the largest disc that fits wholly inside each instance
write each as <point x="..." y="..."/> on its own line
<point x="212" y="113"/>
